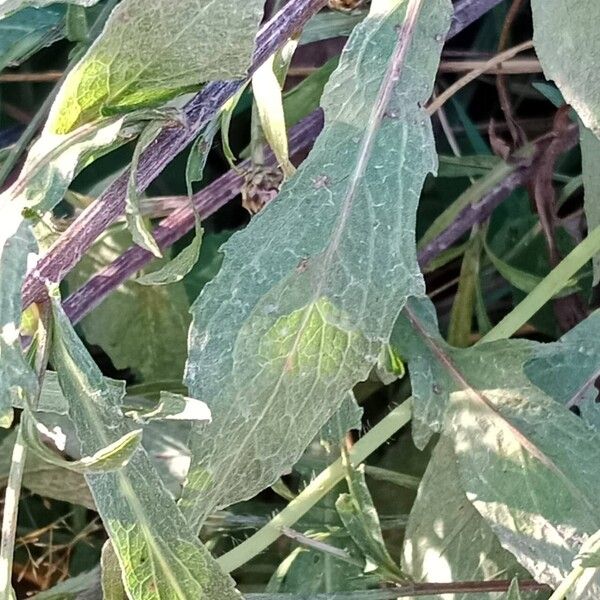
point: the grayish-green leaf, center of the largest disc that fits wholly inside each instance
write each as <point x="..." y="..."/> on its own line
<point x="176" y="407"/>
<point x="158" y="553"/>
<point x="327" y="25"/>
<point x="309" y="291"/>
<point x="590" y="157"/>
<point x="446" y="538"/>
<point x="45" y="479"/>
<point x="347" y="417"/>
<point x="528" y="465"/>
<point x="568" y="47"/>
<point x="17" y="379"/>
<point x="8" y="7"/>
<point x="359" y="516"/>
<point x="150" y="52"/>
<point x="26" y="32"/>
<point x="81" y="587"/>
<point x="112" y="585"/>
<point x="122" y="323"/>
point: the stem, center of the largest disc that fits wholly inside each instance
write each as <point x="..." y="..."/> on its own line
<point x="71" y="246"/>
<point x="316" y="490"/>
<point x="9" y="518"/>
<point x="570" y="580"/>
<point x="175" y="226"/>
<point x="553" y="283"/>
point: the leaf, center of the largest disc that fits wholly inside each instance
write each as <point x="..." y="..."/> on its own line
<point x="120" y="325"/>
<point x="24" y="33"/>
<point x="112" y="586"/>
<point x="45" y="479"/>
<point x="359" y="516"/>
<point x="568" y="49"/>
<point x="308" y="292"/>
<point x="135" y="220"/>
<point x="17" y="379"/>
<point x="8" y="7"/>
<point x="266" y="88"/>
<point x="74" y="588"/>
<point x="110" y="458"/>
<point x="446" y="539"/>
<point x="590" y="150"/>
<point x="526" y="462"/>
<point x="175" y="407"/>
<point x="159" y="555"/>
<point x="149" y="53"/>
<point x="347" y="417"/>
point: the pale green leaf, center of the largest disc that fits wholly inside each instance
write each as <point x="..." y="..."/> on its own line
<point x="266" y="87"/>
<point x="527" y="464"/>
<point x="309" y="291"/>
<point x="159" y="555"/>
<point x="347" y="417"/>
<point x="359" y="516"/>
<point x="110" y="458"/>
<point x="226" y="116"/>
<point x="81" y="587"/>
<point x="26" y="32"/>
<point x="151" y="52"/>
<point x="590" y="156"/>
<point x="176" y="407"/>
<point x="139" y="227"/>
<point x="17" y="379"/>
<point x="327" y="25"/>
<point x="45" y="479"/>
<point x="112" y="586"/>
<point x="8" y="7"/>
<point x="121" y="324"/>
<point x="446" y="539"/>
<point x="568" y="47"/>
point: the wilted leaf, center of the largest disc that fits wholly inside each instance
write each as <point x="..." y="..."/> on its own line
<point x="148" y="53"/>
<point x="158" y="553"/>
<point x="527" y="464"/>
<point x="308" y="293"/>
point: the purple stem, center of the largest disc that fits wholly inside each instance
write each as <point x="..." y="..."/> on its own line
<point x="211" y="198"/>
<point x="207" y="201"/>
<point x="71" y="246"/>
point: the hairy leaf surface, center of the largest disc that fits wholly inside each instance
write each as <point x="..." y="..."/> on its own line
<point x="159" y="555"/>
<point x="309" y="292"/>
<point x="528" y="465"/>
<point x="8" y="7"/>
<point x="150" y="52"/>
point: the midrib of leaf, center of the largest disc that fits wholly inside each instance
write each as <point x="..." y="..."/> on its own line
<point x="124" y="483"/>
<point x="446" y="361"/>
<point x="377" y="114"/>
<point x="136" y="77"/>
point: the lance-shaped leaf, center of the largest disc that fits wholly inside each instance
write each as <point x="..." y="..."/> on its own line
<point x="308" y="293"/>
<point x="446" y="539"/>
<point x="150" y="52"/>
<point x="17" y="379"/>
<point x="158" y="553"/>
<point x="565" y="41"/>
<point x="527" y="463"/>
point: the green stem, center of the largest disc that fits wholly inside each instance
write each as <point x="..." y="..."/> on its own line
<point x="562" y="590"/>
<point x="316" y="490"/>
<point x="9" y="518"/>
<point x="553" y="283"/>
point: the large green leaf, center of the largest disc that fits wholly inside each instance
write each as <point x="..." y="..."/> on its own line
<point x="26" y="32"/>
<point x="527" y="464"/>
<point x="568" y="47"/>
<point x="150" y="52"/>
<point x="446" y="539"/>
<point x="122" y="323"/>
<point x="309" y="292"/>
<point x="158" y="553"/>
<point x="8" y="7"/>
